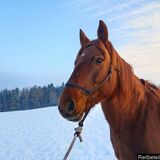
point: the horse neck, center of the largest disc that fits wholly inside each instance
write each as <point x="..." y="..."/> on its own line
<point x="128" y="93"/>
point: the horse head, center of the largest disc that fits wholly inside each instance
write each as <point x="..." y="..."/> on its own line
<point x="90" y="77"/>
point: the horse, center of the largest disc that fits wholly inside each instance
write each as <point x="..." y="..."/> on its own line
<point x="130" y="105"/>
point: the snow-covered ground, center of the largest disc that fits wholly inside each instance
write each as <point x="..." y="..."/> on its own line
<point x="42" y="134"/>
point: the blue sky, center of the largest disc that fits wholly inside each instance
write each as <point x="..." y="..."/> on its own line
<point x="39" y="40"/>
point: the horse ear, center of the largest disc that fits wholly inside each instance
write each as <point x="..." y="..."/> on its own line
<point x="83" y="38"/>
<point x="102" y="32"/>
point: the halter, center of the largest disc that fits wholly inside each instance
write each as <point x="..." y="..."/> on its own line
<point x="90" y="91"/>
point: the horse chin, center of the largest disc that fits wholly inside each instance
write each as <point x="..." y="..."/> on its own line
<point x="77" y="117"/>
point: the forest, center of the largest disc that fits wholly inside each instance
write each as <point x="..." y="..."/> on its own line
<point x="29" y="98"/>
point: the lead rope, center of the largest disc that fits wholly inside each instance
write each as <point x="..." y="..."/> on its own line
<point x="77" y="133"/>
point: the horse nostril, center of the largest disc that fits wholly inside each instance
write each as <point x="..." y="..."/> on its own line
<point x="70" y="107"/>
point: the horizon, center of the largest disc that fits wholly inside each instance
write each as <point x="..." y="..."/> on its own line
<point x="40" y="40"/>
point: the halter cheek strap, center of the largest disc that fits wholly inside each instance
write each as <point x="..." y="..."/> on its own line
<point x="90" y="91"/>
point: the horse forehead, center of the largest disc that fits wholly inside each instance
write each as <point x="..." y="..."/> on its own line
<point x="87" y="54"/>
<point x="89" y="51"/>
<point x="84" y="57"/>
<point x="83" y="54"/>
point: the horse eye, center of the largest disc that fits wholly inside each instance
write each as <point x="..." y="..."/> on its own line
<point x="99" y="60"/>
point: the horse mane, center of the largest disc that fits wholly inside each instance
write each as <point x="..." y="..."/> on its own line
<point x="126" y="78"/>
<point x="151" y="86"/>
<point x="124" y="71"/>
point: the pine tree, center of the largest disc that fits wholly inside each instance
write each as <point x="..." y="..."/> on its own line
<point x="24" y="99"/>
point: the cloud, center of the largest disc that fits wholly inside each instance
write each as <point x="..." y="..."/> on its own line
<point x="134" y="28"/>
<point x="143" y="47"/>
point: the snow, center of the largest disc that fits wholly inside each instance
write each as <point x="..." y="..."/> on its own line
<point x="42" y="134"/>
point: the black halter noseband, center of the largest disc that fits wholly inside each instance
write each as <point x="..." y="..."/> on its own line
<point x="90" y="91"/>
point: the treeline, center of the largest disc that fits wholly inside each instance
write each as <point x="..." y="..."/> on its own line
<point x="29" y="98"/>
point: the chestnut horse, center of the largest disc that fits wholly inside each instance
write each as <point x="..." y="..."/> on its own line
<point x="130" y="105"/>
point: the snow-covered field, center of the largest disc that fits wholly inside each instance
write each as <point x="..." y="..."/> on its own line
<point x="42" y="134"/>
